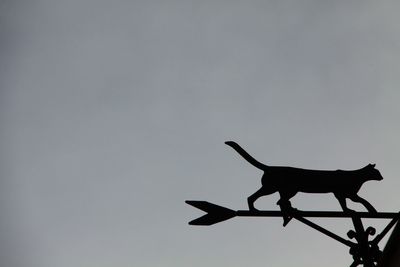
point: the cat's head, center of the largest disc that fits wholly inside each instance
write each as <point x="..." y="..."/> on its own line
<point x="371" y="173"/>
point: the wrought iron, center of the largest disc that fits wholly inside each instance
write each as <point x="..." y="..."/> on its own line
<point x="288" y="181"/>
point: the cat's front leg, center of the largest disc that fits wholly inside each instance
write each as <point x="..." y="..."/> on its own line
<point x="366" y="204"/>
<point x="286" y="208"/>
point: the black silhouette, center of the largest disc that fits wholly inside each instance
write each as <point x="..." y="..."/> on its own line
<point x="288" y="181"/>
<point x="365" y="252"/>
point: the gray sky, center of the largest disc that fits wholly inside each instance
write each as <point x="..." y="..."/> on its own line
<point x="115" y="112"/>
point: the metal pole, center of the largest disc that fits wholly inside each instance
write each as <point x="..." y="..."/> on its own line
<point x="362" y="240"/>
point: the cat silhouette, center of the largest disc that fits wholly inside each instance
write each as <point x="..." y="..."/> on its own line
<point x="288" y="181"/>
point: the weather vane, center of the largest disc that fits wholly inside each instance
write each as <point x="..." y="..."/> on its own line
<point x="288" y="181"/>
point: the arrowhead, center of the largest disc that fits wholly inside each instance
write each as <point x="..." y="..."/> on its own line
<point x="215" y="213"/>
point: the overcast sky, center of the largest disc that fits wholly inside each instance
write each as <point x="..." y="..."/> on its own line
<point x="113" y="113"/>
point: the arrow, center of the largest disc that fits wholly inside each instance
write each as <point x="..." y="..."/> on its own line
<point x="215" y="214"/>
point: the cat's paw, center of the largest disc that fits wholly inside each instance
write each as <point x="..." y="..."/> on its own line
<point x="286" y="220"/>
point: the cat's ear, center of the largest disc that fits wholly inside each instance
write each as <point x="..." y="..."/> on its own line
<point x="372" y="165"/>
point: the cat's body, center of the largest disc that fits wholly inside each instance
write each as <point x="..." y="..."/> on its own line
<point x="288" y="181"/>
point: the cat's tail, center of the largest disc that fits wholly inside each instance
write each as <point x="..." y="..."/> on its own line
<point x="246" y="155"/>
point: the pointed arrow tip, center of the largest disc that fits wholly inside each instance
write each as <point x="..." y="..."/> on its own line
<point x="214" y="212"/>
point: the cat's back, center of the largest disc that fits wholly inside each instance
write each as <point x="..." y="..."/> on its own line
<point x="309" y="174"/>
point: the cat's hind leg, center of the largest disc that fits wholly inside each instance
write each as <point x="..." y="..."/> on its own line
<point x="259" y="193"/>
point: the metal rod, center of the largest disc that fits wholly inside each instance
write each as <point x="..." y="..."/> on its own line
<point x="324" y="231"/>
<point x="321" y="214"/>
<point x="379" y="237"/>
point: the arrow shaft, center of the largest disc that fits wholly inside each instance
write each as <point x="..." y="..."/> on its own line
<point x="319" y="214"/>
